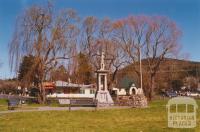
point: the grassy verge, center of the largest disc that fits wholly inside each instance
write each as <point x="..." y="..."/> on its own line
<point x="152" y="119"/>
<point x="3" y="104"/>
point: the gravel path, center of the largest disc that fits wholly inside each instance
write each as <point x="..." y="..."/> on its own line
<point x="46" y="108"/>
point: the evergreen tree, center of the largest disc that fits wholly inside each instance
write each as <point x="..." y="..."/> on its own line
<point x="27" y="75"/>
<point x="84" y="70"/>
<point x="59" y="74"/>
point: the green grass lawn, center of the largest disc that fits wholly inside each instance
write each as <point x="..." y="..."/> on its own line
<point x="153" y="119"/>
<point x="3" y="104"/>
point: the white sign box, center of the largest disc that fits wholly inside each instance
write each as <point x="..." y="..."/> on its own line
<point x="64" y="101"/>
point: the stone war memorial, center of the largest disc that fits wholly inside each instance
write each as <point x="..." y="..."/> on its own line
<point x="102" y="95"/>
<point x="134" y="98"/>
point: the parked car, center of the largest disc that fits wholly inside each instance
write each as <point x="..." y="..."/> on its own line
<point x="171" y="94"/>
<point x="183" y="93"/>
<point x="198" y="89"/>
<point x="193" y="94"/>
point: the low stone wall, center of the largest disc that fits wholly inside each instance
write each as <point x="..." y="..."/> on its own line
<point x="137" y="101"/>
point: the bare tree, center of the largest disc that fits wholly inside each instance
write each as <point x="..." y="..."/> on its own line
<point x="48" y="38"/>
<point x="115" y="56"/>
<point x="130" y="33"/>
<point x="153" y="37"/>
<point x="161" y="42"/>
<point x="89" y="34"/>
<point x="97" y="36"/>
<point x="8" y="86"/>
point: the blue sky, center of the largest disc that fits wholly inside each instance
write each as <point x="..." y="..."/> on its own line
<point x="186" y="13"/>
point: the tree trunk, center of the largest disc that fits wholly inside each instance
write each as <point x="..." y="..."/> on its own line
<point x="110" y="84"/>
<point x="42" y="94"/>
<point x="152" y="87"/>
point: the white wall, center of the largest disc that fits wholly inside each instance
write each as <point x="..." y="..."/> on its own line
<point x="121" y="91"/>
<point x="78" y="95"/>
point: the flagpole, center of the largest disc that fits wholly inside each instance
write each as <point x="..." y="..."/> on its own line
<point x="140" y="68"/>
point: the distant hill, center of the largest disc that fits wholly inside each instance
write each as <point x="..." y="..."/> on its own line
<point x="172" y="73"/>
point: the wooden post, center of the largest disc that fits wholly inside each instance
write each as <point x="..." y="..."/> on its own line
<point x="69" y="104"/>
<point x="96" y="105"/>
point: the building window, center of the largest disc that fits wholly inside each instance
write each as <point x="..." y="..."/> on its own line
<point x="82" y="91"/>
<point x="92" y="91"/>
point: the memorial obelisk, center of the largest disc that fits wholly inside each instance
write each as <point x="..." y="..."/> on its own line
<point x="102" y="95"/>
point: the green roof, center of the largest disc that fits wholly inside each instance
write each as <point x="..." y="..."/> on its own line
<point x="126" y="82"/>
